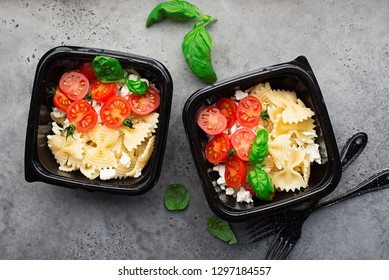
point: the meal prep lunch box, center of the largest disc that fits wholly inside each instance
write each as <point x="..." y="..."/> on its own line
<point x="40" y="164"/>
<point x="296" y="76"/>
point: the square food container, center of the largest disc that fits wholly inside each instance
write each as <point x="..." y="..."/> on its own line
<point x="297" y="76"/>
<point x="40" y="164"/>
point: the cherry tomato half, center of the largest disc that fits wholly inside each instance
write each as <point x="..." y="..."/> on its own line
<point x="241" y="140"/>
<point x="86" y="68"/>
<point x="115" y="111"/>
<point x="74" y="84"/>
<point x="102" y="91"/>
<point x="236" y="172"/>
<point x="60" y="100"/>
<point x="228" y="108"/>
<point x="82" y="115"/>
<point x="217" y="148"/>
<point x="249" y="111"/>
<point x="146" y="103"/>
<point x="211" y="120"/>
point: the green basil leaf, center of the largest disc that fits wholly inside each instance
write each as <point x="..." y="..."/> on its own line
<point x="176" y="10"/>
<point x="138" y="87"/>
<point x="107" y="69"/>
<point x="176" y="197"/>
<point x="221" y="229"/>
<point x="197" y="47"/>
<point x="259" y="147"/>
<point x="261" y="183"/>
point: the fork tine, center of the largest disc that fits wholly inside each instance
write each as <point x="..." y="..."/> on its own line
<point x="274" y="246"/>
<point x="259" y="236"/>
<point x="286" y="251"/>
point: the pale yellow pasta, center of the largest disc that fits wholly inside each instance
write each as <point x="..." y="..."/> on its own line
<point x="89" y="171"/>
<point x="296" y="112"/>
<point x="117" y="147"/>
<point x="279" y="149"/>
<point x="100" y="158"/>
<point x="274" y="113"/>
<point x="56" y="142"/>
<point x="282" y="98"/>
<point x="144" y="157"/>
<point x="288" y="180"/>
<point x="60" y="157"/>
<point x="261" y="91"/>
<point x="268" y="163"/>
<point x="134" y="136"/>
<point x="153" y="119"/>
<point x="103" y="136"/>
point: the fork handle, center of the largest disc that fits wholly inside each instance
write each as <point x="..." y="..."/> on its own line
<point x="353" y="148"/>
<point x="374" y="183"/>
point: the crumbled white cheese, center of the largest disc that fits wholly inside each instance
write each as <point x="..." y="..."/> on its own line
<point x="233" y="128"/>
<point x="230" y="191"/>
<point x="240" y="94"/>
<point x="244" y="196"/>
<point x="310" y="133"/>
<point x="97" y="106"/>
<point x="58" y="114"/>
<point x="138" y="173"/>
<point x="313" y="152"/>
<point x="124" y="92"/>
<point x="56" y="128"/>
<point x="133" y="77"/>
<point x="106" y="174"/>
<point x="125" y="160"/>
<point x="220" y="168"/>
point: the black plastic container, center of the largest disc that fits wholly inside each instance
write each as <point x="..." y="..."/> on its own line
<point x="298" y="76"/>
<point x="40" y="164"/>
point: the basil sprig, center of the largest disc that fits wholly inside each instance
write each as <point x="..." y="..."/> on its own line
<point x="261" y="183"/>
<point x="259" y="147"/>
<point x="197" y="47"/>
<point x="221" y="229"/>
<point x="107" y="69"/>
<point x="176" y="197"/>
<point x="176" y="10"/>
<point x="197" y="43"/>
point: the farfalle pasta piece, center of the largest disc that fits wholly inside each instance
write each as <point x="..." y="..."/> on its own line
<point x="302" y="129"/>
<point x="103" y="136"/>
<point x="279" y="149"/>
<point x="144" y="157"/>
<point x="282" y="98"/>
<point x="135" y="136"/>
<point x="296" y="112"/>
<point x="89" y="171"/>
<point x="100" y="158"/>
<point x="261" y="92"/>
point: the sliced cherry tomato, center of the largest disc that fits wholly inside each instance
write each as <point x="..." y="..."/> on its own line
<point x="236" y="172"/>
<point x="217" y="148"/>
<point x="249" y="188"/>
<point x="86" y="68"/>
<point x="146" y="103"/>
<point x="211" y="120"/>
<point x="249" y="111"/>
<point x="102" y="91"/>
<point x="115" y="111"/>
<point x="74" y="84"/>
<point x="241" y="140"/>
<point x="228" y="108"/>
<point x="82" y="115"/>
<point x="60" y="100"/>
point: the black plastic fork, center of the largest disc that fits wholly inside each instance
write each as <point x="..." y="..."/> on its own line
<point x="290" y="233"/>
<point x="265" y="227"/>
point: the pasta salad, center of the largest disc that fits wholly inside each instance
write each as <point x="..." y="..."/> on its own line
<point x="261" y="141"/>
<point x="104" y="120"/>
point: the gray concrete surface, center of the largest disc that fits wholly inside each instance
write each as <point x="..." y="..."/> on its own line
<point x="347" y="44"/>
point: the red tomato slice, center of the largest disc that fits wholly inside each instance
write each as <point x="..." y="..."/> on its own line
<point x="236" y="172"/>
<point x="102" y="91"/>
<point x="249" y="111"/>
<point x="217" y="148"/>
<point x="115" y="111"/>
<point x="60" y="100"/>
<point x="228" y="109"/>
<point x="74" y="84"/>
<point x="86" y="68"/>
<point x="211" y="120"/>
<point x="146" y="103"/>
<point x="82" y="115"/>
<point x="241" y="140"/>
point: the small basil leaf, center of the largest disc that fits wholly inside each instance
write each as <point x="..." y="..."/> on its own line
<point x="107" y="69"/>
<point x="138" y="87"/>
<point x="221" y="229"/>
<point x="176" y="197"/>
<point x="259" y="147"/>
<point x="176" y="10"/>
<point x="261" y="183"/>
<point x="196" y="48"/>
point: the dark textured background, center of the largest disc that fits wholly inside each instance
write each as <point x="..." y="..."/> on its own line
<point x="347" y="44"/>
